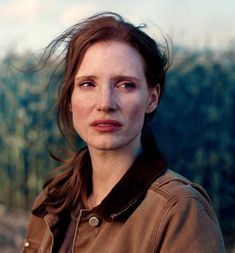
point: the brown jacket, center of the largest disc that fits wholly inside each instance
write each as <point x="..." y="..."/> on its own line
<point x="151" y="210"/>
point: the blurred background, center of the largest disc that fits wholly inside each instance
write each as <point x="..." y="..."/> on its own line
<point x="194" y="125"/>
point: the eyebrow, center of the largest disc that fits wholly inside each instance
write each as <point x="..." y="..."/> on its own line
<point x="119" y="77"/>
<point x="85" y="77"/>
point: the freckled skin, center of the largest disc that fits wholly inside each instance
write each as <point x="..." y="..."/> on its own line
<point x="111" y="84"/>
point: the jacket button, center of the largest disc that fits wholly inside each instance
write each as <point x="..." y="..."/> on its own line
<point x="94" y="221"/>
<point x="26" y="244"/>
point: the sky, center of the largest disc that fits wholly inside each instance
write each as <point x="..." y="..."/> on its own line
<point x="32" y="24"/>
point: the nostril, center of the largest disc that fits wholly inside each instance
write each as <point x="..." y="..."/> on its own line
<point x="106" y="101"/>
<point x="106" y="108"/>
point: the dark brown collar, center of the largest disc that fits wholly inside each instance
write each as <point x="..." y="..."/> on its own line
<point x="131" y="189"/>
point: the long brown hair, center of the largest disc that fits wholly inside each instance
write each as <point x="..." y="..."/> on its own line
<point x="76" y="40"/>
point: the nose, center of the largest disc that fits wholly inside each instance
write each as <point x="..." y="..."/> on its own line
<point x="105" y="100"/>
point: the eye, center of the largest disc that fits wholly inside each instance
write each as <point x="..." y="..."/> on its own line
<point x="126" y="85"/>
<point x="86" y="84"/>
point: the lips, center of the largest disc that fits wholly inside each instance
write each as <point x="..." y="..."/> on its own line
<point x="106" y="125"/>
<point x="106" y="122"/>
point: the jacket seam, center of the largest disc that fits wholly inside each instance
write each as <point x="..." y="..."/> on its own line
<point x="184" y="181"/>
<point x="158" y="223"/>
<point x="167" y="195"/>
<point x="157" y="188"/>
<point x="76" y="231"/>
<point x="52" y="236"/>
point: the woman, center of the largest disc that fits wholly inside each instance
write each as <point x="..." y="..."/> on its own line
<point x="117" y="195"/>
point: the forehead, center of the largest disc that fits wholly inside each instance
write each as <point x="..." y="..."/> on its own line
<point x="112" y="55"/>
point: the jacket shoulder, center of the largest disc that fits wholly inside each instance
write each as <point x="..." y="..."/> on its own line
<point x="174" y="187"/>
<point x="39" y="199"/>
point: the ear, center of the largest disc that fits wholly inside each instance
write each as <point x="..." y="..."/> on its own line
<point x="154" y="94"/>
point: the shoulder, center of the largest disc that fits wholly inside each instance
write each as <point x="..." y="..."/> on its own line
<point x="39" y="199"/>
<point x="183" y="210"/>
<point x="171" y="189"/>
<point x="54" y="197"/>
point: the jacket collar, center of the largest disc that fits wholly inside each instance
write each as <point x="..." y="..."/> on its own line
<point x="130" y="190"/>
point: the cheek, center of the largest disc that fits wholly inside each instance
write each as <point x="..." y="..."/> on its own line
<point x="138" y="113"/>
<point x="76" y="105"/>
<point x="76" y="112"/>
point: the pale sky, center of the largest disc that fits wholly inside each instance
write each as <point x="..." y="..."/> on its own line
<point x="32" y="24"/>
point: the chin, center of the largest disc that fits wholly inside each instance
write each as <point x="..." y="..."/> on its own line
<point x="105" y="147"/>
<point x="112" y="144"/>
<point x="106" y="144"/>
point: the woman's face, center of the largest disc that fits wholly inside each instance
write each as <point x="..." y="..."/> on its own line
<point x="111" y="96"/>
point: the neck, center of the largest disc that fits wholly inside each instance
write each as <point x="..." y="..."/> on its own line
<point x="108" y="167"/>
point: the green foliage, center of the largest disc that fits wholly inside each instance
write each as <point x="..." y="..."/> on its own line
<point x="194" y="127"/>
<point x="27" y="130"/>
